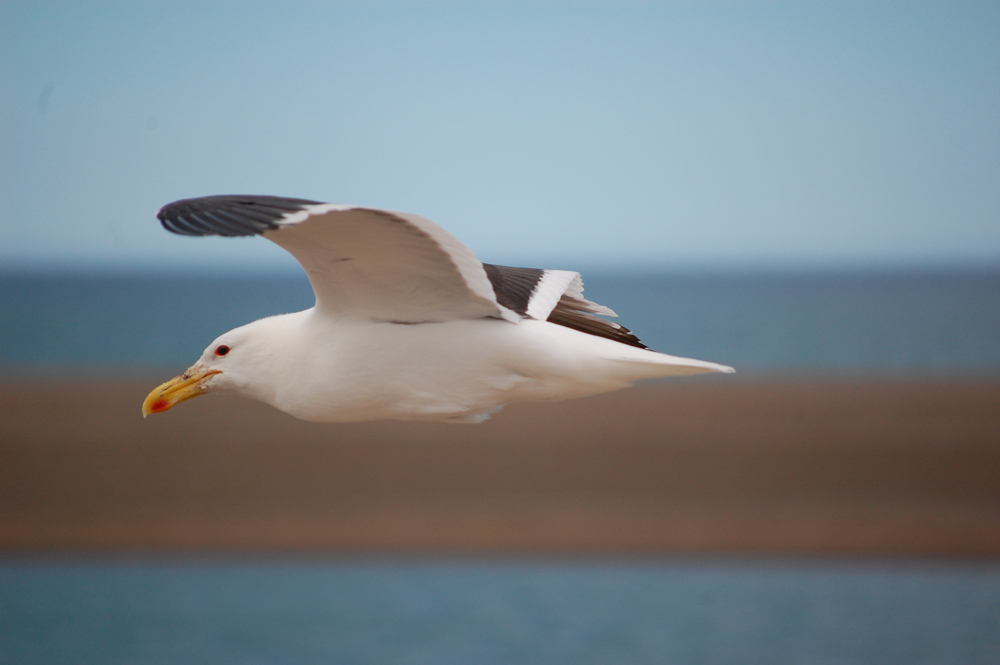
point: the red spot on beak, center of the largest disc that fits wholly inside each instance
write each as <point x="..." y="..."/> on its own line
<point x="160" y="405"/>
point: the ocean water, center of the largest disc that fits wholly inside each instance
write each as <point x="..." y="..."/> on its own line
<point x="575" y="612"/>
<point x="866" y="322"/>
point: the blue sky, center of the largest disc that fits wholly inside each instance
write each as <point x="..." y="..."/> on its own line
<point x="618" y="135"/>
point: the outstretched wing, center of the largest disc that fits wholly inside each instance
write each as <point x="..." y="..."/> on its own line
<point x="365" y="263"/>
<point x="394" y="266"/>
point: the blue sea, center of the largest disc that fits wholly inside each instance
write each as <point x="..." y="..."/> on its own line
<point x="151" y="609"/>
<point x="550" y="612"/>
<point x="896" y="322"/>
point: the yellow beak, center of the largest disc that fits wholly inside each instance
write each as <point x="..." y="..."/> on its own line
<point x="176" y="390"/>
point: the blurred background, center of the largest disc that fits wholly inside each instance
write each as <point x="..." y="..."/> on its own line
<point x="807" y="192"/>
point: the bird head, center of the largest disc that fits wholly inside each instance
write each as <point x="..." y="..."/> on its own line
<point x="222" y="367"/>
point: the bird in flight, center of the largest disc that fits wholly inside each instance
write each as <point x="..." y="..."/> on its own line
<point x="408" y="324"/>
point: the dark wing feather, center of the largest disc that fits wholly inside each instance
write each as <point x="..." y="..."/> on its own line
<point x="568" y="313"/>
<point x="514" y="288"/>
<point x="228" y="215"/>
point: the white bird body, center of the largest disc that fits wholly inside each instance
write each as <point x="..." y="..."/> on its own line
<point x="408" y="325"/>
<point x="329" y="369"/>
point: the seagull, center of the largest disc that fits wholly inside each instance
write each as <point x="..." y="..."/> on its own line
<point x="408" y="324"/>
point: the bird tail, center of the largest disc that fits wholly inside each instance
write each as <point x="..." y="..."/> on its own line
<point x="646" y="364"/>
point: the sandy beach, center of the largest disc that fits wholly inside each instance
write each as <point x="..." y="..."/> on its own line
<point x="685" y="467"/>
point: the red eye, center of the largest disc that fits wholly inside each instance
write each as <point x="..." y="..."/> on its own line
<point x="222" y="350"/>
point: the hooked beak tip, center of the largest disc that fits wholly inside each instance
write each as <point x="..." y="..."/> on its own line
<point x="179" y="389"/>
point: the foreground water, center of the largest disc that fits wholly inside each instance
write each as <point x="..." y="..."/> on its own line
<point x="875" y="321"/>
<point x="295" y="611"/>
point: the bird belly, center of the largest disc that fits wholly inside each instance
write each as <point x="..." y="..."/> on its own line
<point x="439" y="371"/>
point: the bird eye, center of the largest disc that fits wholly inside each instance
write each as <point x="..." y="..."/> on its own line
<point x="222" y="350"/>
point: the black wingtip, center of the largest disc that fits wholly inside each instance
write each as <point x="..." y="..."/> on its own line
<point x="228" y="214"/>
